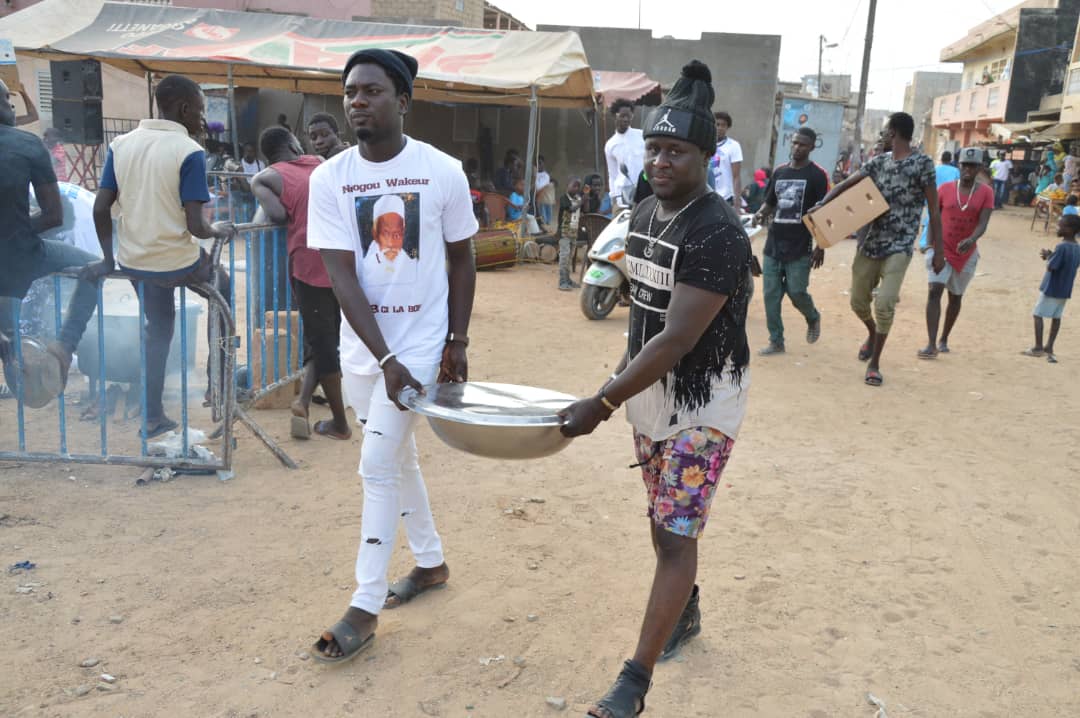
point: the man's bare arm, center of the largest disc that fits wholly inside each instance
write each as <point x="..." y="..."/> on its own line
<point x="267" y="188"/>
<point x="31" y="111"/>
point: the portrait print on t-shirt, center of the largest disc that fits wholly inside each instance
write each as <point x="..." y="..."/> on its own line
<point x="389" y="238"/>
<point x="789" y="200"/>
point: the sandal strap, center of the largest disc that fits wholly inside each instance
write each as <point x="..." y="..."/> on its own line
<point x="628" y="691"/>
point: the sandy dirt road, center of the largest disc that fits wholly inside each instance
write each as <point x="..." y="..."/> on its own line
<point x="915" y="541"/>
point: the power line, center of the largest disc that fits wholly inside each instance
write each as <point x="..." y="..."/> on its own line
<point x="996" y="13"/>
<point x="851" y="21"/>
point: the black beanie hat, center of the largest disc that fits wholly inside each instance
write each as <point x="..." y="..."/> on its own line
<point x="686" y="113"/>
<point x="395" y="63"/>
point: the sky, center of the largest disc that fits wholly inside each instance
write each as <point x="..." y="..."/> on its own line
<point x="908" y="36"/>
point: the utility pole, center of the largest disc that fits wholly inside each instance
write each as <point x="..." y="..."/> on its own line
<point x="864" y="81"/>
<point x="820" y="51"/>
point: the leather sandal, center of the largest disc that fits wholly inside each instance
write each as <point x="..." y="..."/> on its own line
<point x="626" y="698"/>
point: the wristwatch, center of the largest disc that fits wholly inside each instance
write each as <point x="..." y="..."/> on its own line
<point x="451" y="338"/>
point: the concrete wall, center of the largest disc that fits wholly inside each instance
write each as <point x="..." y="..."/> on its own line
<point x="919" y="95"/>
<point x="329" y="9"/>
<point x="444" y="12"/>
<point x="873" y="122"/>
<point x="744" y="68"/>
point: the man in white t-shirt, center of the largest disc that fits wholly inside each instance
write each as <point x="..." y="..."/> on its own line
<point x="393" y="199"/>
<point x="1001" y="169"/>
<point x="725" y="167"/>
<point x="624" y="151"/>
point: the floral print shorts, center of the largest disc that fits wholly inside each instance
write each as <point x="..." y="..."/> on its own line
<point x="681" y="474"/>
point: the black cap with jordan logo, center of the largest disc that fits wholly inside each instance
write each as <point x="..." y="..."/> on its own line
<point x="686" y="113"/>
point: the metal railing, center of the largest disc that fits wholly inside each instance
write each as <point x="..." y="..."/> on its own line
<point x="261" y="330"/>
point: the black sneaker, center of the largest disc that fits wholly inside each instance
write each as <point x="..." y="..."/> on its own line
<point x="773" y="348"/>
<point x="689" y="625"/>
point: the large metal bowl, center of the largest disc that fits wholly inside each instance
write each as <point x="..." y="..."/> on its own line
<point x="498" y="421"/>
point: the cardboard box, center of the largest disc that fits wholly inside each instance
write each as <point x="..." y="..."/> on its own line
<point x="282" y="397"/>
<point x="286" y="320"/>
<point x="9" y="71"/>
<point x="846" y="214"/>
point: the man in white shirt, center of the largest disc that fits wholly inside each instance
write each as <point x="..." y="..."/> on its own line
<point x="1001" y="168"/>
<point x="392" y="199"/>
<point x="726" y="165"/>
<point x="624" y="151"/>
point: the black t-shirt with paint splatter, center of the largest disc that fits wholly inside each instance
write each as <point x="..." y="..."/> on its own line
<point x="705" y="247"/>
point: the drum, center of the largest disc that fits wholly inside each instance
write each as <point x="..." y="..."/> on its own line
<point x="496" y="248"/>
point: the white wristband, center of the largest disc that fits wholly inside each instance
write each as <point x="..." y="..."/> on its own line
<point x="388" y="357"/>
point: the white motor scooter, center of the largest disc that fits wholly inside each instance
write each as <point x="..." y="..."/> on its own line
<point x="606" y="279"/>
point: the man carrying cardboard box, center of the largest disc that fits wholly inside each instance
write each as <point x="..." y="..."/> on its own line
<point x="789" y="252"/>
<point x="906" y="180"/>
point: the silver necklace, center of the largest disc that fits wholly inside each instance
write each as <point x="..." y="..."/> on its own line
<point x="963" y="207"/>
<point x="653" y="240"/>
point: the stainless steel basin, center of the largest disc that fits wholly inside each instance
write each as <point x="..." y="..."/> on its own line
<point x="497" y="421"/>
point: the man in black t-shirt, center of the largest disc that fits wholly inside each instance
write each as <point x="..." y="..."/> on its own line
<point x="795" y="188"/>
<point x="684" y="376"/>
<point x="26" y="255"/>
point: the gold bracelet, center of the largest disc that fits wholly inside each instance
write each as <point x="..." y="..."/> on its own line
<point x="607" y="403"/>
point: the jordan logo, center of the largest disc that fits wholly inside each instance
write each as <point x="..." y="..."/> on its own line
<point x="664" y="125"/>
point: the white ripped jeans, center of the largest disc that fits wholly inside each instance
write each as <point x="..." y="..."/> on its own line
<point x="393" y="486"/>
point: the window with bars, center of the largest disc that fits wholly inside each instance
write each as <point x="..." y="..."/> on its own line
<point x="992" y="96"/>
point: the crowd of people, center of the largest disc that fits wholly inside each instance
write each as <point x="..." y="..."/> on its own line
<point x="378" y="241"/>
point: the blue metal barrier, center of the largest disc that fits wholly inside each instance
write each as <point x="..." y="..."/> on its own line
<point x="228" y="339"/>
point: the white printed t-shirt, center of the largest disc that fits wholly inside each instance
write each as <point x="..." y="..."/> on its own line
<point x="409" y="303"/>
<point x="727" y="152"/>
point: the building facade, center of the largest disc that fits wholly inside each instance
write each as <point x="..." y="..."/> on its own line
<point x="919" y="102"/>
<point x="744" y="69"/>
<point x="1070" y="98"/>
<point x="1013" y="63"/>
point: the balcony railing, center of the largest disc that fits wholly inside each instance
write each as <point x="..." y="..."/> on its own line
<point x="982" y="103"/>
